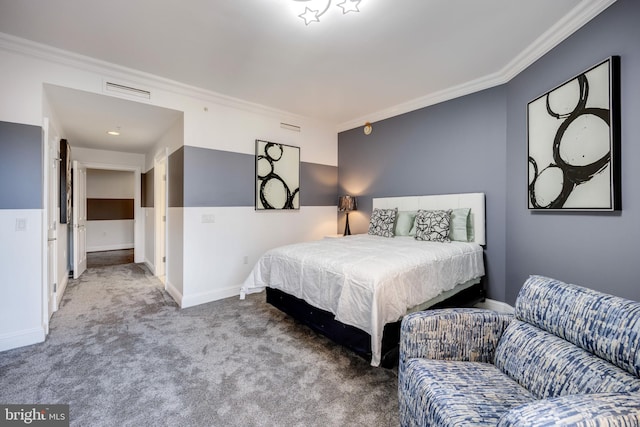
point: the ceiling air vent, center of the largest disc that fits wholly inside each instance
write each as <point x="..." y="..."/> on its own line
<point x="127" y="90"/>
<point x="290" y="127"/>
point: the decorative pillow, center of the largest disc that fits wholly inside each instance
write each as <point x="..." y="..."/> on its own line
<point x="433" y="225"/>
<point x="405" y="222"/>
<point x="382" y="222"/>
<point x="459" y="228"/>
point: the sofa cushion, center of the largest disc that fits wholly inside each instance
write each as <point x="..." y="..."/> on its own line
<point x="604" y="325"/>
<point x="585" y="410"/>
<point x="549" y="366"/>
<point x="452" y="393"/>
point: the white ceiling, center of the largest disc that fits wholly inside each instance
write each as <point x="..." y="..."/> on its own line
<point x="86" y="118"/>
<point x="345" y="69"/>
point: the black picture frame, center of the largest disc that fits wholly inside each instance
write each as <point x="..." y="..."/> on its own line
<point x="65" y="182"/>
<point x="573" y="143"/>
<point x="277" y="176"/>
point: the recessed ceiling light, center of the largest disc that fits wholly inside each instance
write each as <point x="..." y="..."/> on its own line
<point x="113" y="132"/>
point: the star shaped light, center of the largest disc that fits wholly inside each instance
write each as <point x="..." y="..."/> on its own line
<point x="309" y="16"/>
<point x="349" y="6"/>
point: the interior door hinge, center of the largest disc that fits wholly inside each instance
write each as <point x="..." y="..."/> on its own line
<point x="164" y="218"/>
<point x="55" y="287"/>
<point x="164" y="259"/>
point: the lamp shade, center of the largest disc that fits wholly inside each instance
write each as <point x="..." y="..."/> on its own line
<point x="347" y="204"/>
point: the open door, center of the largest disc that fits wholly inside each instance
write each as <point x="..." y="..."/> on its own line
<point x="79" y="219"/>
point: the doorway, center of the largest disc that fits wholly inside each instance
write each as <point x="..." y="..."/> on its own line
<point x="144" y="130"/>
<point x="110" y="226"/>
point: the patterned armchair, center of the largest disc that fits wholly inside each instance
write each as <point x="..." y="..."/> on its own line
<point x="569" y="357"/>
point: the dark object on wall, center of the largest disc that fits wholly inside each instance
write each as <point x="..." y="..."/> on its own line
<point x="109" y="209"/>
<point x="147" y="189"/>
<point x="347" y="204"/>
<point x="277" y="176"/>
<point x="574" y="143"/>
<point x="65" y="182"/>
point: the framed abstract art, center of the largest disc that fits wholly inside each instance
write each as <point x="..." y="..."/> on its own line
<point x="574" y="143"/>
<point x="277" y="176"/>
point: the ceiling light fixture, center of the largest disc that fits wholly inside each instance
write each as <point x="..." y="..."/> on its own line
<point x="313" y="15"/>
<point x="114" y="132"/>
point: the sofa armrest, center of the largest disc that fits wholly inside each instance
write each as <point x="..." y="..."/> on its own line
<point x="602" y="410"/>
<point x="464" y="334"/>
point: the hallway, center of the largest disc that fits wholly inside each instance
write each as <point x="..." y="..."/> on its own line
<point x="108" y="258"/>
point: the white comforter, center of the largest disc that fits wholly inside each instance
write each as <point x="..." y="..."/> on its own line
<point x="367" y="281"/>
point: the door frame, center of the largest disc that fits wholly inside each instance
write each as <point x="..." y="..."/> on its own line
<point x="138" y="216"/>
<point x="160" y="186"/>
<point x="49" y="204"/>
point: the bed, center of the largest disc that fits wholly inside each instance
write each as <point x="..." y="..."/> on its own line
<point x="356" y="289"/>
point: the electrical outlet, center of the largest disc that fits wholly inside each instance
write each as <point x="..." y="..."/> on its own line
<point x="21" y="224"/>
<point x="208" y="218"/>
<point x="245" y="260"/>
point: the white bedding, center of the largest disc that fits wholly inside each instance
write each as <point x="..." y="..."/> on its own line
<point x="367" y="281"/>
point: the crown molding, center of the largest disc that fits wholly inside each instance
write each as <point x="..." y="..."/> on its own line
<point x="120" y="74"/>
<point x="578" y="17"/>
<point x="425" y="101"/>
<point x="560" y="31"/>
<point x="569" y="24"/>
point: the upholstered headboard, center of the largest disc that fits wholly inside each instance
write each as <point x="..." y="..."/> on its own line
<point x="474" y="201"/>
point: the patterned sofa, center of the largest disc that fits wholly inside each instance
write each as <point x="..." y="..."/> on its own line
<point x="569" y="357"/>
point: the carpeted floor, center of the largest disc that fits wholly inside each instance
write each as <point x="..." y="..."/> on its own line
<point x="106" y="258"/>
<point x="121" y="353"/>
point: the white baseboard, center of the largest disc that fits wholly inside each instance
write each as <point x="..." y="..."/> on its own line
<point x="175" y="293"/>
<point x="150" y="266"/>
<point x="61" y="288"/>
<point x="21" y="338"/>
<point x="499" y="306"/>
<point x="205" y="297"/>
<point x="115" y="247"/>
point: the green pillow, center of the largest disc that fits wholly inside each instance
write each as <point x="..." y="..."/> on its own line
<point x="405" y="223"/>
<point x="460" y="225"/>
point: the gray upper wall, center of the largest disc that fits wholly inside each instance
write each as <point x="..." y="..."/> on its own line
<point x="147" y="191"/>
<point x="453" y="147"/>
<point x="175" y="177"/>
<point x="479" y="143"/>
<point x="593" y="250"/>
<point x="318" y="185"/>
<point x="20" y="166"/>
<point x="215" y="178"/>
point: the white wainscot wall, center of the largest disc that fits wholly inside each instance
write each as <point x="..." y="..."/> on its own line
<point x="21" y="284"/>
<point x="175" y="254"/>
<point x="221" y="254"/>
<point x="110" y="235"/>
<point x="149" y="236"/>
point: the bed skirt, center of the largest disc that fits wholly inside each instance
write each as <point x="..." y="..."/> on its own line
<point x="356" y="339"/>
